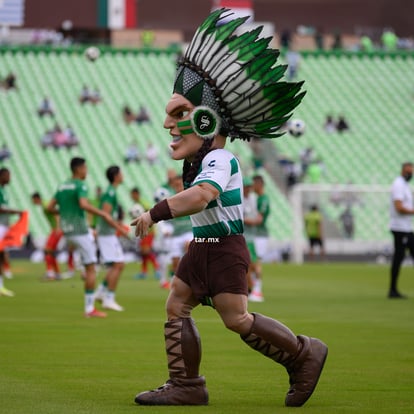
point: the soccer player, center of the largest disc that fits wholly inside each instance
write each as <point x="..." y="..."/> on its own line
<point x="95" y="202"/>
<point x="250" y="212"/>
<point x="183" y="232"/>
<point x="112" y="254"/>
<point x="163" y="241"/>
<point x="401" y="224"/>
<point x="71" y="198"/>
<point x="261" y="236"/>
<point x="52" y="265"/>
<point x="7" y="271"/>
<point x="313" y="227"/>
<point x="146" y="249"/>
<point x="5" y="212"/>
<point x="135" y="194"/>
<point x="226" y="85"/>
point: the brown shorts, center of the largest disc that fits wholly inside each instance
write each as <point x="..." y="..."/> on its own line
<point x="215" y="266"/>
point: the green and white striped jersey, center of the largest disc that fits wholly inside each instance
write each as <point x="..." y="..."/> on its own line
<point x="223" y="216"/>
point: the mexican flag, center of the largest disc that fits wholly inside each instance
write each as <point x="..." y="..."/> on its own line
<point x="117" y="14"/>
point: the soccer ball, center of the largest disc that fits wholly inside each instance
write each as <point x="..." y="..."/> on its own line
<point x="92" y="53"/>
<point x="296" y="128"/>
<point x="161" y="194"/>
<point x="136" y="210"/>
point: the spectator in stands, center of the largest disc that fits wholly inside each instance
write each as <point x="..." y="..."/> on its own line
<point x="132" y="153"/>
<point x="151" y="153"/>
<point x="313" y="227"/>
<point x="59" y="138"/>
<point x="389" y="40"/>
<point x="318" y="37"/>
<point x="47" y="139"/>
<point x="46" y="107"/>
<point x="330" y="125"/>
<point x="366" y="44"/>
<point x="306" y="157"/>
<point x="143" y="115"/>
<point x="9" y="82"/>
<point x="315" y="171"/>
<point x="292" y="174"/>
<point x="140" y="117"/>
<point x="5" y="153"/>
<point x="71" y="138"/>
<point x="128" y="115"/>
<point x="337" y="42"/>
<point x="96" y="96"/>
<point x="85" y="95"/>
<point x="342" y="125"/>
<point x="347" y="220"/>
<point x="293" y="61"/>
<point x="285" y="38"/>
<point x="147" y="38"/>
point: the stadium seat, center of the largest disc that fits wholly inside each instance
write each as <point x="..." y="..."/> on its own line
<point x="374" y="93"/>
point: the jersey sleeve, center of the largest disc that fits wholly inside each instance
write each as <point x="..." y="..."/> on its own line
<point x="216" y="169"/>
<point x="107" y="197"/>
<point x="82" y="190"/>
<point x="397" y="191"/>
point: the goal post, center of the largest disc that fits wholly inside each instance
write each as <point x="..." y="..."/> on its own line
<point x="355" y="218"/>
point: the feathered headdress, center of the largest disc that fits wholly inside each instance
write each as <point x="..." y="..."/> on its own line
<point x="237" y="79"/>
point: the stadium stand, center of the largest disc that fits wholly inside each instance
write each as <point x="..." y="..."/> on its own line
<point x="375" y="93"/>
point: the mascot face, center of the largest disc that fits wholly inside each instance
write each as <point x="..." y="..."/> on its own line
<point x="185" y="144"/>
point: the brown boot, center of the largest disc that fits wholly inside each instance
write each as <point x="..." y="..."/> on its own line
<point x="185" y="386"/>
<point x="303" y="357"/>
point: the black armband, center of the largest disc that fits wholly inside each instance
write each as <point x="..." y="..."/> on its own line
<point x="161" y="211"/>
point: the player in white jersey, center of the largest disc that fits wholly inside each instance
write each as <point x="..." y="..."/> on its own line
<point x="401" y="224"/>
<point x="183" y="232"/>
<point x="226" y="85"/>
<point x="250" y="212"/>
<point x="163" y="241"/>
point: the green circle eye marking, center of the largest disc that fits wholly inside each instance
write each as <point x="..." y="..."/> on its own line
<point x="205" y="122"/>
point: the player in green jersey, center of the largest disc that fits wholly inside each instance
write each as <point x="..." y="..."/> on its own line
<point x="50" y="249"/>
<point x="112" y="254"/>
<point x="262" y="235"/>
<point x="71" y="198"/>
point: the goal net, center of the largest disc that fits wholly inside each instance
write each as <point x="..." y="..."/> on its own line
<point x="355" y="218"/>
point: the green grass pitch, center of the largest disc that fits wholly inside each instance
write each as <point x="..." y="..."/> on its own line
<point x="52" y="360"/>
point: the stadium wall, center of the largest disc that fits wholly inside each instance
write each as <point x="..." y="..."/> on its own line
<point x="328" y="15"/>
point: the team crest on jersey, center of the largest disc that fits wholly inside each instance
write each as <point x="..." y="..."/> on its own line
<point x="205" y="122"/>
